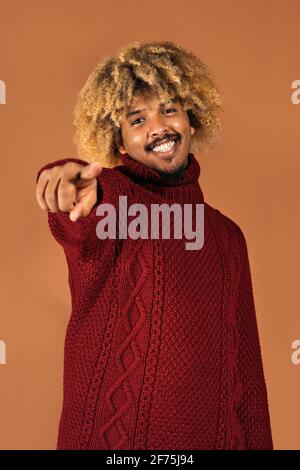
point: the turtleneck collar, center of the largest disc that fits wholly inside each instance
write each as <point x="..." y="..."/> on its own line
<point x="177" y="188"/>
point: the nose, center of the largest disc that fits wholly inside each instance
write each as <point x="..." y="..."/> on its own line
<point x="157" y="127"/>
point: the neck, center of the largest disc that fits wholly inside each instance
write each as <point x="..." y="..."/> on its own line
<point x="180" y="187"/>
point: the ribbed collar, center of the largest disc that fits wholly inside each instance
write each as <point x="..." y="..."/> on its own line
<point x="177" y="188"/>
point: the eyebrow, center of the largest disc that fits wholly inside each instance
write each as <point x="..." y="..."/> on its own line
<point x="137" y="111"/>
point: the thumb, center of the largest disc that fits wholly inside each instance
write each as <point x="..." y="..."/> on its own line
<point x="89" y="172"/>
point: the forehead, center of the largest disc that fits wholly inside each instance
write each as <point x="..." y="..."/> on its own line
<point x="144" y="95"/>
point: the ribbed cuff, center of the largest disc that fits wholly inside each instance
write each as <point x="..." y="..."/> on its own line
<point x="60" y="162"/>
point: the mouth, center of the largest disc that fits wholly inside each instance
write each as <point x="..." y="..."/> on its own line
<point x="167" y="149"/>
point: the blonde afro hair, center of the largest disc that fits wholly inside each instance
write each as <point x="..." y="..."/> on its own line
<point x="162" y="67"/>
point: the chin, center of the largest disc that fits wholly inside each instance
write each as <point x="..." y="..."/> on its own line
<point x="172" y="166"/>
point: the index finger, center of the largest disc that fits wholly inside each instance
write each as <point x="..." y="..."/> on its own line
<point x="89" y="172"/>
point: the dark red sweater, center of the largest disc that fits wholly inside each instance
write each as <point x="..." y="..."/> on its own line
<point x="162" y="347"/>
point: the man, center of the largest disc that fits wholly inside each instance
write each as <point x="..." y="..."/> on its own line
<point x="162" y="348"/>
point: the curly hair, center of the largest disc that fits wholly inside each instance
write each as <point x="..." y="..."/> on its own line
<point x="163" y="68"/>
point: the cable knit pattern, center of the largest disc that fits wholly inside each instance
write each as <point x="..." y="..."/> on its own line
<point x="162" y="347"/>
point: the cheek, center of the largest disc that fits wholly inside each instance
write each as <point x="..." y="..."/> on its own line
<point x="136" y="138"/>
<point x="182" y="125"/>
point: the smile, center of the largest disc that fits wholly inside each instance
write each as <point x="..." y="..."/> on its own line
<point x="166" y="149"/>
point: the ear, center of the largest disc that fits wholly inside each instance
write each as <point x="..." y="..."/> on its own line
<point x="122" y="149"/>
<point x="192" y="130"/>
<point x="119" y="142"/>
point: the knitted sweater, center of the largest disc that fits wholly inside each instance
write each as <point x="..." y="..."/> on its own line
<point x="162" y="348"/>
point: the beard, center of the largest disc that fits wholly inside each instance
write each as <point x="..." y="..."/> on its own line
<point x="177" y="171"/>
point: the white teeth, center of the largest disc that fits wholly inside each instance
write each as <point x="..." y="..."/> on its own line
<point x="164" y="147"/>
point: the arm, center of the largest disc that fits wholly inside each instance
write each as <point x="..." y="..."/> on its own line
<point x="253" y="409"/>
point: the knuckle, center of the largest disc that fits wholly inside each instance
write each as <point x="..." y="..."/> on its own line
<point x="70" y="169"/>
<point x="70" y="165"/>
<point x="45" y="173"/>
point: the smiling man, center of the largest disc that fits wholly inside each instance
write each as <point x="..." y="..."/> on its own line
<point x="162" y="347"/>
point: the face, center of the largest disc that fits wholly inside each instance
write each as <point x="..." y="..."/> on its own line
<point x="149" y="123"/>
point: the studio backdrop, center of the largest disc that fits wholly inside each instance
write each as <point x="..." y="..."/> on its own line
<point x="47" y="51"/>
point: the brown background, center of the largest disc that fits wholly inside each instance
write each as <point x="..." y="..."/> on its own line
<point x="47" y="50"/>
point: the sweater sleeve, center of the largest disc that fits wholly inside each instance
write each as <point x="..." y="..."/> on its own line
<point x="81" y="234"/>
<point x="253" y="409"/>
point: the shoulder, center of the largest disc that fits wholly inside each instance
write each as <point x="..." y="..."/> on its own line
<point x="114" y="183"/>
<point x="227" y="229"/>
<point x="116" y="174"/>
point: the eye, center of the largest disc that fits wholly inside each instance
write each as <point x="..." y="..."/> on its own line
<point x="135" y="121"/>
<point x="171" y="109"/>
